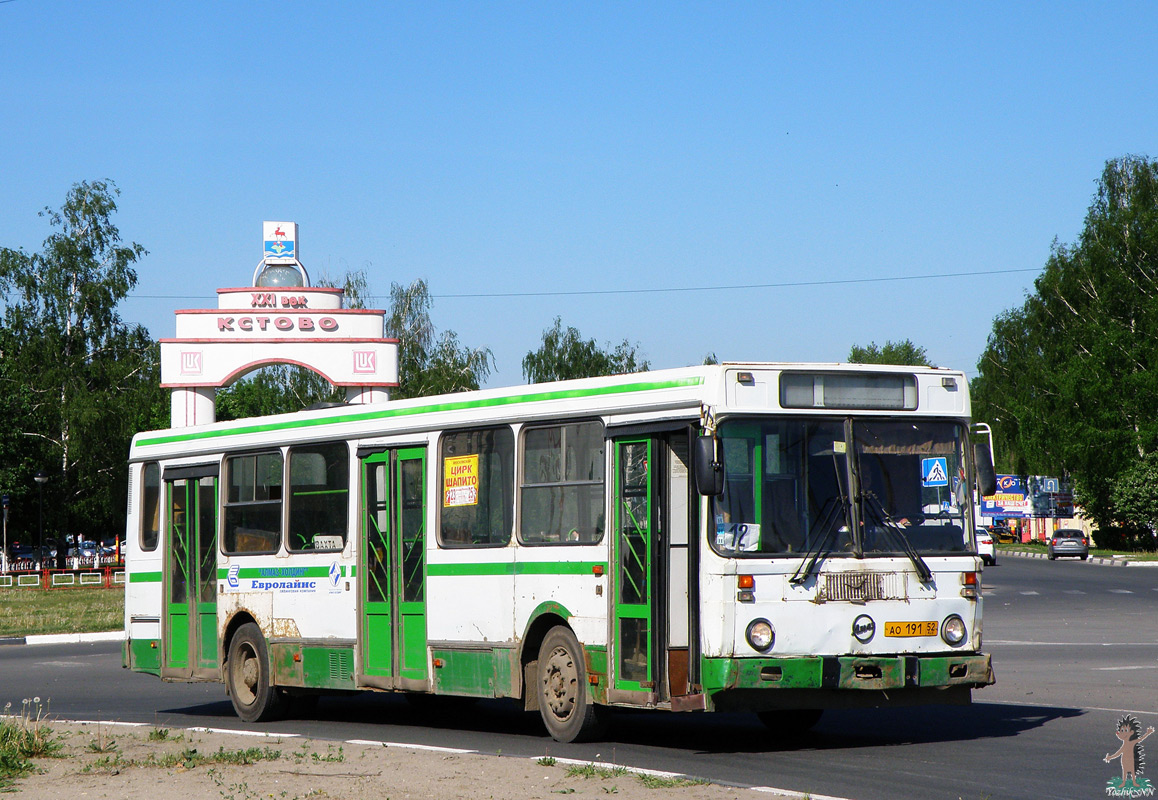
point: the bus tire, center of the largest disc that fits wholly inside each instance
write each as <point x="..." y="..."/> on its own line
<point x="564" y="703"/>
<point x="254" y="698"/>
<point x="790" y="722"/>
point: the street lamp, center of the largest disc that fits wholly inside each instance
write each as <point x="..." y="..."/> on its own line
<point x="40" y="479"/>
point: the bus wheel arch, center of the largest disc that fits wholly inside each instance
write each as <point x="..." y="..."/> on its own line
<point x="563" y="696"/>
<point x="547" y="616"/>
<point x="248" y="677"/>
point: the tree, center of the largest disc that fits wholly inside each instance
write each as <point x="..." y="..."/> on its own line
<point x="1068" y="379"/>
<point x="77" y="380"/>
<point x="565" y="354"/>
<point x="430" y="362"/>
<point x="900" y="353"/>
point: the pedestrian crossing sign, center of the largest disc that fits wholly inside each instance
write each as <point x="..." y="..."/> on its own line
<point x="934" y="472"/>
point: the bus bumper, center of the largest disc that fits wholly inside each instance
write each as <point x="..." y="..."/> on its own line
<point x="836" y="681"/>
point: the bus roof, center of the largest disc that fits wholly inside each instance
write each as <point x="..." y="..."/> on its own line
<point x="673" y="393"/>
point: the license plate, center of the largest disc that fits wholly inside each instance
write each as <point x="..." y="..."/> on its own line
<point x="910" y="629"/>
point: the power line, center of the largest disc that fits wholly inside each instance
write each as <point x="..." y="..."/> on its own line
<point x="673" y="289"/>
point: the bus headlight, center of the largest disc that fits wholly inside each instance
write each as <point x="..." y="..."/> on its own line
<point x="953" y="630"/>
<point x="761" y="635"/>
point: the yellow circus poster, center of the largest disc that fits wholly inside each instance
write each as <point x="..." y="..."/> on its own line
<point x="460" y="481"/>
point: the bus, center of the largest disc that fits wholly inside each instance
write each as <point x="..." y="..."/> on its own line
<point x="764" y="537"/>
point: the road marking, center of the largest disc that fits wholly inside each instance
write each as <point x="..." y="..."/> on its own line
<point x="1121" y="669"/>
<point x="608" y="765"/>
<point x="797" y="795"/>
<point x="409" y="746"/>
<point x="264" y="734"/>
<point x="1028" y="594"/>
<point x="1120" y="591"/>
<point x="1070" y="708"/>
<point x="1074" y="591"/>
<point x="104" y="722"/>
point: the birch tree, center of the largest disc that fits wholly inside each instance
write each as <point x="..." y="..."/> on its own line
<point x="78" y="380"/>
<point x="1069" y="380"/>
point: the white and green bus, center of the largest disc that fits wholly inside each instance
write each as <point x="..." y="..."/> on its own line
<point x="776" y="538"/>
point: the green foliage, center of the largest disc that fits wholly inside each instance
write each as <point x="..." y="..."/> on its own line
<point x="565" y="354"/>
<point x="75" y="381"/>
<point x="1135" y="492"/>
<point x="430" y="362"/>
<point x="1125" y="539"/>
<point x="900" y="353"/>
<point x="1067" y="380"/>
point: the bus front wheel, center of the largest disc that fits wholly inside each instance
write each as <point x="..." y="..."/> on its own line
<point x="564" y="703"/>
<point x="254" y="698"/>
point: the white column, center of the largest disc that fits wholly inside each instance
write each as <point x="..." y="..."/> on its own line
<point x="361" y="395"/>
<point x="193" y="406"/>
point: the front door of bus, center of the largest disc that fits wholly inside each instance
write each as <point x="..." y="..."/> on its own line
<point x="635" y="519"/>
<point x="191" y="577"/>
<point x="393" y="547"/>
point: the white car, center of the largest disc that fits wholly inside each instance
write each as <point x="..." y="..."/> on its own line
<point x="985" y="547"/>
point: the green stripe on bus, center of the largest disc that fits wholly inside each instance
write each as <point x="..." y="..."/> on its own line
<point x="521" y="568"/>
<point x="144" y="577"/>
<point x="389" y="413"/>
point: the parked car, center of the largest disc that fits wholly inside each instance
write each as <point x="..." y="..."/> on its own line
<point x="84" y="550"/>
<point x="985" y="547"/>
<point x="1068" y="542"/>
<point x="1002" y="534"/>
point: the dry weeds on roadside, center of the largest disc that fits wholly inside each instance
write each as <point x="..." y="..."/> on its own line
<point x="141" y="762"/>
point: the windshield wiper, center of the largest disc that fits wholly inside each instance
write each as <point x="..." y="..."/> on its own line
<point x="884" y="522"/>
<point x="827" y="511"/>
<point x="826" y="522"/>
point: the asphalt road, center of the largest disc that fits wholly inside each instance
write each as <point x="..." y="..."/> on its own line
<point x="1075" y="646"/>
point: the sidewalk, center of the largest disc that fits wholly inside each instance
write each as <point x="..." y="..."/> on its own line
<point x="64" y="638"/>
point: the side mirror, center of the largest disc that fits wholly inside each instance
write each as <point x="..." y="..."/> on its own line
<point x="983" y="464"/>
<point x="709" y="470"/>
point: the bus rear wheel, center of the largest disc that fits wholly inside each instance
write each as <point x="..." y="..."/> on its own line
<point x="254" y="698"/>
<point x="564" y="703"/>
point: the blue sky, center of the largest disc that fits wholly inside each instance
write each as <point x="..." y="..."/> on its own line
<point x="515" y="148"/>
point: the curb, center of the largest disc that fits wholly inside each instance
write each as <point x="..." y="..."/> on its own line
<point x="1112" y="561"/>
<point x="65" y="638"/>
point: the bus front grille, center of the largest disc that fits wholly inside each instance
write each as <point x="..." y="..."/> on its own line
<point x="860" y="587"/>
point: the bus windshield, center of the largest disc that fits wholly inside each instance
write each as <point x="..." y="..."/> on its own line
<point x="843" y="487"/>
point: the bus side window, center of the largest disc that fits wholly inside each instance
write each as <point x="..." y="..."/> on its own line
<point x="477" y="482"/>
<point x="318" y="491"/>
<point x="253" y="503"/>
<point x="150" y="506"/>
<point x="561" y="496"/>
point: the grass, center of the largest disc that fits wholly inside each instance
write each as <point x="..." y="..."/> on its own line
<point x="648" y="780"/>
<point x="24" y="736"/>
<point x="75" y="610"/>
<point x="189" y="758"/>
